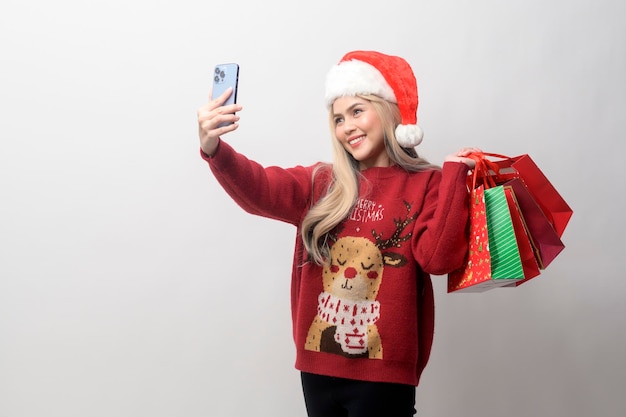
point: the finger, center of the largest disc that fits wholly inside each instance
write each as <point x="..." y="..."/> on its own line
<point x="215" y="108"/>
<point x="225" y="119"/>
<point x="215" y="102"/>
<point x="211" y="117"/>
<point x="211" y="123"/>
<point x="231" y="108"/>
<point x="221" y="99"/>
<point x="220" y="131"/>
<point x="467" y="151"/>
<point x="204" y="111"/>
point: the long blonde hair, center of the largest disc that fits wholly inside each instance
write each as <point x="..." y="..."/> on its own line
<point x="343" y="190"/>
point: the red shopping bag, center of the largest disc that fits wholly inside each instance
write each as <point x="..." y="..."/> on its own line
<point x="544" y="238"/>
<point x="477" y="270"/>
<point x="554" y="207"/>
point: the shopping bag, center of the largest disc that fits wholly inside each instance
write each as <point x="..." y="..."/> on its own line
<point x="477" y="270"/>
<point x="493" y="258"/>
<point x="506" y="263"/>
<point x="546" y="242"/>
<point x="555" y="208"/>
<point x="528" y="256"/>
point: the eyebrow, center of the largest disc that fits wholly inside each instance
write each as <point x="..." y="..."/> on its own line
<point x="352" y="106"/>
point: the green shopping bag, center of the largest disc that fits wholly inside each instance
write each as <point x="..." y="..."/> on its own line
<point x="506" y="263"/>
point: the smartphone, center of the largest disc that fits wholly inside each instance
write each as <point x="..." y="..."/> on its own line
<point x="224" y="76"/>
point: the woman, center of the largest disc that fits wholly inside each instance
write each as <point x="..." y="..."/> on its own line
<point x="372" y="226"/>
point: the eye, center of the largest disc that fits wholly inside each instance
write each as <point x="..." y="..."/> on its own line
<point x="338" y="120"/>
<point x="341" y="263"/>
<point x="357" y="111"/>
<point x="366" y="267"/>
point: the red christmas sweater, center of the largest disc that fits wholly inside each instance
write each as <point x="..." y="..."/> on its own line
<point x="368" y="314"/>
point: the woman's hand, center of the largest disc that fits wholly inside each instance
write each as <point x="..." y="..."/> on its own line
<point x="462" y="156"/>
<point x="210" y="116"/>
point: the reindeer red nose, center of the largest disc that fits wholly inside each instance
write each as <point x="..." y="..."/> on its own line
<point x="350" y="272"/>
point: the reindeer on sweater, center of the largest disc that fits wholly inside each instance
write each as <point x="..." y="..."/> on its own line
<point x="347" y="309"/>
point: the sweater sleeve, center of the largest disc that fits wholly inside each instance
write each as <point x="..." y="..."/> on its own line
<point x="441" y="241"/>
<point x="272" y="192"/>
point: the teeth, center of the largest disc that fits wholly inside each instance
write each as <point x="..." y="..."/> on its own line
<point x="355" y="140"/>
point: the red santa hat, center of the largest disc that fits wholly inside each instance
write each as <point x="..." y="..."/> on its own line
<point x="389" y="77"/>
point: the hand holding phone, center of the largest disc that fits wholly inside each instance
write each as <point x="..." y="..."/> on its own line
<point x="225" y="76"/>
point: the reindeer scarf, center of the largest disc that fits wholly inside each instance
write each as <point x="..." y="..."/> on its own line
<point x="351" y="319"/>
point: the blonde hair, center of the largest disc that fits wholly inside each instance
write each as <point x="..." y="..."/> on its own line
<point x="343" y="190"/>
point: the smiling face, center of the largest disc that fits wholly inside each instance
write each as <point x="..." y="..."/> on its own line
<point x="359" y="129"/>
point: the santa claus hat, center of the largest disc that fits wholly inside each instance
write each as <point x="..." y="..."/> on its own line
<point x="389" y="77"/>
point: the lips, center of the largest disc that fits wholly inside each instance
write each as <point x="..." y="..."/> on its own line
<point x="357" y="140"/>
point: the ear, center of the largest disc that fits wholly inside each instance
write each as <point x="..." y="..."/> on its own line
<point x="394" y="259"/>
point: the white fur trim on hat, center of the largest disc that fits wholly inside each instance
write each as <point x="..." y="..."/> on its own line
<point x="350" y="78"/>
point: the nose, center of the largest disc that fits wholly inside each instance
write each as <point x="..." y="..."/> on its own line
<point x="350" y="272"/>
<point x="348" y="127"/>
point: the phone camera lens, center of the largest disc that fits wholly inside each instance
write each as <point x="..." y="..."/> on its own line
<point x="222" y="74"/>
<point x="217" y="70"/>
<point x="216" y="78"/>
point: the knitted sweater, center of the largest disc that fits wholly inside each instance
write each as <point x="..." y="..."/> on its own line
<point x="369" y="313"/>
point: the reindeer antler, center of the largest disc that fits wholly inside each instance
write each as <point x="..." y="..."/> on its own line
<point x="396" y="240"/>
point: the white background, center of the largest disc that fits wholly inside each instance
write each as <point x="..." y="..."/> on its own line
<point x="131" y="285"/>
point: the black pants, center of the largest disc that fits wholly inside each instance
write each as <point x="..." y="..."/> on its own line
<point x="326" y="396"/>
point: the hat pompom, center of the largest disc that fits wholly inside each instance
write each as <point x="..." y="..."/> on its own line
<point x="409" y="136"/>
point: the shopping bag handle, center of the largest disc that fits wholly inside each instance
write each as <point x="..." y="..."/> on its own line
<point x="482" y="168"/>
<point x="493" y="155"/>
